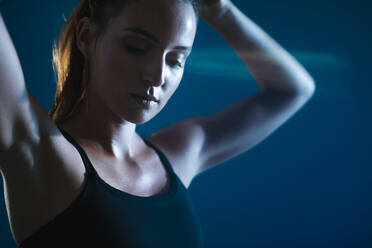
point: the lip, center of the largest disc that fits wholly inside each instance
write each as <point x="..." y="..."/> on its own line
<point x="147" y="97"/>
<point x="143" y="103"/>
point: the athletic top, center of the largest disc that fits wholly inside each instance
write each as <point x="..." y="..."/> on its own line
<point x="103" y="216"/>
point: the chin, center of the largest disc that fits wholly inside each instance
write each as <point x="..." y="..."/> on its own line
<point x="139" y="119"/>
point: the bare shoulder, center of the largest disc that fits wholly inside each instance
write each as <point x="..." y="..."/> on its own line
<point x="181" y="142"/>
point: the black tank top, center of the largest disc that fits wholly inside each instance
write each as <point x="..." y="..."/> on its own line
<point x="103" y="216"/>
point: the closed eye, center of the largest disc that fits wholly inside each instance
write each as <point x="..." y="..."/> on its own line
<point x="134" y="49"/>
<point x="138" y="51"/>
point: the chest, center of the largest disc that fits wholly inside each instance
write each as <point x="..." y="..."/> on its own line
<point x="146" y="178"/>
<point x="61" y="177"/>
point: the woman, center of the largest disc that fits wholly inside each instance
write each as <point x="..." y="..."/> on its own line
<point x="80" y="176"/>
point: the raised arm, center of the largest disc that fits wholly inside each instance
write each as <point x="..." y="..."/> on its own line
<point x="17" y="122"/>
<point x="12" y="86"/>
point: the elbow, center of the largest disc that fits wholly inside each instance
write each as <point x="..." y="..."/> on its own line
<point x="311" y="89"/>
<point x="307" y="89"/>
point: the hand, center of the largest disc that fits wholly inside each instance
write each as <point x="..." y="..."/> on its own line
<point x="212" y="9"/>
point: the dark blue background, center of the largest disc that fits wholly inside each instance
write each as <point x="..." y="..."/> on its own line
<point x="306" y="185"/>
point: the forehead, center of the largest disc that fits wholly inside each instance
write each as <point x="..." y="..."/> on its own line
<point x="171" y="21"/>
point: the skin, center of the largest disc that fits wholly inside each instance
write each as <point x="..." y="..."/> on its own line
<point x="107" y="122"/>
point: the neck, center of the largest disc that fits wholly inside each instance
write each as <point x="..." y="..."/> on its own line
<point x="102" y="132"/>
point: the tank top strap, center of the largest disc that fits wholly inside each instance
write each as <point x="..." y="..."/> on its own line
<point x="86" y="161"/>
<point x="163" y="158"/>
<point x="88" y="165"/>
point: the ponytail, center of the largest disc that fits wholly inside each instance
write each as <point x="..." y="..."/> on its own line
<point x="70" y="67"/>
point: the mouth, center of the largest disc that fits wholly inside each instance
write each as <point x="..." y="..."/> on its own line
<point x="146" y="98"/>
<point x="142" y="101"/>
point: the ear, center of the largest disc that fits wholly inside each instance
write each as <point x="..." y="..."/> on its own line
<point x="83" y="35"/>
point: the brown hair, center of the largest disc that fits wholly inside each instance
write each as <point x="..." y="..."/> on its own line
<point x="69" y="64"/>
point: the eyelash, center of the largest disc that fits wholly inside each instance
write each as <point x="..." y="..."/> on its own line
<point x="141" y="51"/>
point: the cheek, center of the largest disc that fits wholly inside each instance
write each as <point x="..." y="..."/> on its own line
<point x="118" y="73"/>
<point x="119" y="64"/>
<point x="172" y="89"/>
<point x="115" y="60"/>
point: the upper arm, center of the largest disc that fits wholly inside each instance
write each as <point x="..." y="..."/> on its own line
<point x="13" y="97"/>
<point x="244" y="124"/>
<point x="23" y="120"/>
<point x="26" y="128"/>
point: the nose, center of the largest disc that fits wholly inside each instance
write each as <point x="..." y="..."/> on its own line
<point x="155" y="72"/>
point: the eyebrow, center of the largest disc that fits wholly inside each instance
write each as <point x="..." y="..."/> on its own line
<point x="153" y="37"/>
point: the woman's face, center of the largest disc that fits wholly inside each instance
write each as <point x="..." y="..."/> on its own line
<point x="142" y="52"/>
